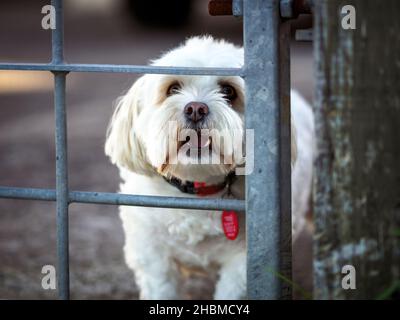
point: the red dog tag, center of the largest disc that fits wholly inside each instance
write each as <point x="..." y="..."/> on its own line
<point x="230" y="224"/>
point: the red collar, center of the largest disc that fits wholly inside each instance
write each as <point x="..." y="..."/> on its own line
<point x="200" y="188"/>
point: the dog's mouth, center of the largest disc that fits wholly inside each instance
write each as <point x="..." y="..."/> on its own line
<point x="201" y="144"/>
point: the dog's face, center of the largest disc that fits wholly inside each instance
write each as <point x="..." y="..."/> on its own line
<point x="185" y="126"/>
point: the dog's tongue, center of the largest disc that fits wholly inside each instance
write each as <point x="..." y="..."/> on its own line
<point x="202" y="141"/>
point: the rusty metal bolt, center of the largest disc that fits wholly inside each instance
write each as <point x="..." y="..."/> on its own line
<point x="288" y="8"/>
<point x="220" y="8"/>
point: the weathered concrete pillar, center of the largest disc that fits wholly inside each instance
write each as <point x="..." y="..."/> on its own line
<point x="357" y="182"/>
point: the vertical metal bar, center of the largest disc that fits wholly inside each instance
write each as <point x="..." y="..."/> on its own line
<point x="285" y="160"/>
<point x="61" y="156"/>
<point x="263" y="212"/>
<point x="61" y="186"/>
<point x="57" y="36"/>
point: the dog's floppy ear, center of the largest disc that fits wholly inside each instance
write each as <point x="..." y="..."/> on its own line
<point x="122" y="144"/>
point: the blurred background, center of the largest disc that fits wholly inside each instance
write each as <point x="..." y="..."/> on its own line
<point x="96" y="31"/>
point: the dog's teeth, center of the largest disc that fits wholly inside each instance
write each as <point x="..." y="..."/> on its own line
<point x="199" y="144"/>
<point x="207" y="143"/>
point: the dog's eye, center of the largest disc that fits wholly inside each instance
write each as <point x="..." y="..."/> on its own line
<point x="173" y="89"/>
<point x="228" y="91"/>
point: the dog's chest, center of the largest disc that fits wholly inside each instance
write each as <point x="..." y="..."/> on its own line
<point x="197" y="238"/>
<point x="192" y="235"/>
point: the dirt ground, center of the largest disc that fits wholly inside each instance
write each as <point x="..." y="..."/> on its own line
<point x="27" y="228"/>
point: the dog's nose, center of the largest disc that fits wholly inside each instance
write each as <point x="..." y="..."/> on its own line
<point x="196" y="111"/>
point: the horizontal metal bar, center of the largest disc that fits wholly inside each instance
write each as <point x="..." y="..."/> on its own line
<point x="304" y="35"/>
<point x="115" y="68"/>
<point x="124" y="199"/>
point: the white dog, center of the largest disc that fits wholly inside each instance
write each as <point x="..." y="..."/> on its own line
<point x="139" y="142"/>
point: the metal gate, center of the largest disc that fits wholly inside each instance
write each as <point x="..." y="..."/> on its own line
<point x="268" y="198"/>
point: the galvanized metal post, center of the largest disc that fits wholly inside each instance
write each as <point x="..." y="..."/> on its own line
<point x="263" y="208"/>
<point x="61" y="155"/>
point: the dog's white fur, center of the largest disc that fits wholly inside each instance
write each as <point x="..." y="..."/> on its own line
<point x="137" y="143"/>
